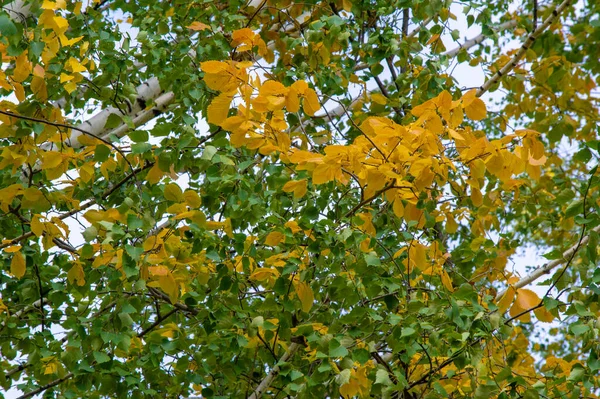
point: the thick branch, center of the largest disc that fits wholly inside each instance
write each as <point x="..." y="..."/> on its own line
<point x="521" y="53"/>
<point x="36" y="305"/>
<point x="478" y="39"/>
<point x="545" y="269"/>
<point x="268" y="380"/>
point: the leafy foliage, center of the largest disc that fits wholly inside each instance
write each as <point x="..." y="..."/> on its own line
<point x="317" y="208"/>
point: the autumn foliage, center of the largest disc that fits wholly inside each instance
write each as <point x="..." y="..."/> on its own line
<point x="298" y="200"/>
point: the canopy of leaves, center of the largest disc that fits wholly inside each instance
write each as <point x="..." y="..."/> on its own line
<point x="316" y="209"/>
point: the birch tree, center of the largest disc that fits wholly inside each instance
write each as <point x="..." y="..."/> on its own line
<point x="282" y="199"/>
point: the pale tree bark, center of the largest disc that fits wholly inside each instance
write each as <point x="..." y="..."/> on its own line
<point x="548" y="267"/>
<point x="268" y="380"/>
<point x="18" y="10"/>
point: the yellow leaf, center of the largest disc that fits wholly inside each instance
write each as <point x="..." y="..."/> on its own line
<point x="476" y="197"/>
<point x="506" y="299"/>
<point x="214" y="67"/>
<point x="536" y="162"/>
<point x="305" y="295"/>
<point x="12" y="248"/>
<point x="446" y="281"/>
<point x="311" y="102"/>
<point x="23" y="68"/>
<point x="212" y="225"/>
<point x="19" y="91"/>
<point x="65" y="78"/>
<point x="365" y="245"/>
<point x="476" y="110"/>
<point x="197" y="217"/>
<point x="326" y="172"/>
<point x="49" y="5"/>
<point x="70" y="87"/>
<point x="292" y="101"/>
<point x="158" y="270"/>
<point x="451" y="225"/>
<point x="154" y="174"/>
<point x="293" y="226"/>
<point x="94" y="216"/>
<point x="378" y="98"/>
<point x="38" y="87"/>
<point x="192" y="198"/>
<point x="474" y="107"/>
<point x="417" y="255"/>
<point x="228" y="228"/>
<point x="527" y="299"/>
<point x="398" y="208"/>
<point x="298" y="187"/>
<point x="221" y="76"/>
<point x="444" y="104"/>
<point x="274" y="238"/>
<point x="218" y="109"/>
<point x="264" y="273"/>
<point x="198" y="26"/>
<point x="37" y="226"/>
<point x="455" y="135"/>
<point x="543" y="315"/>
<point x="173" y="192"/>
<point x="76" y="274"/>
<point x="273" y="88"/>
<point x="433" y="38"/>
<point x="75" y="66"/>
<point x="17" y="265"/>
<point x="367" y="224"/>
<point x="169" y="286"/>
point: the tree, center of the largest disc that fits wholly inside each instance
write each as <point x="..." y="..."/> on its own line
<point x="317" y="208"/>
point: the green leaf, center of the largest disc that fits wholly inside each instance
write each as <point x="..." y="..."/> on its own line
<point x="101" y="153"/>
<point x="141" y="148"/>
<point x="408" y="331"/>
<point x="7" y="27"/>
<point x="575" y="208"/>
<point x="336" y="349"/>
<point x="382" y="377"/>
<point x="101" y="357"/>
<point x="579" y="329"/>
<point x="139" y="136"/>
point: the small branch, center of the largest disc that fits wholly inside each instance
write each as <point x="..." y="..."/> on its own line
<point x="160" y="295"/>
<point x="45" y="387"/>
<point x="371" y="198"/>
<point x="535" y="14"/>
<point x="159" y="319"/>
<point x="82" y="207"/>
<point x="266" y="346"/>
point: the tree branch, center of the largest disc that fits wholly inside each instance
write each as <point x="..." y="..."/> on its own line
<point x="268" y="380"/>
<point x="521" y="53"/>
<point x="47" y="386"/>
<point x="545" y="269"/>
<point x="82" y="207"/>
<point x="478" y="39"/>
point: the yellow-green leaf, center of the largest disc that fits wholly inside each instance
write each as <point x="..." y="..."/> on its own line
<point x="17" y="265"/>
<point x="305" y="294"/>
